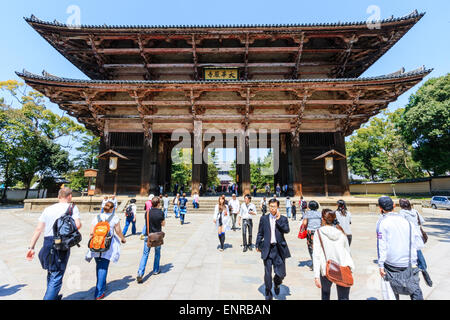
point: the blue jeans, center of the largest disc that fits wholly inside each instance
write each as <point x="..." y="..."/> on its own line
<point x="288" y="212"/>
<point x="144" y="259"/>
<point x="54" y="284"/>
<point x="102" y="271"/>
<point x="421" y="263"/>
<point x="165" y="212"/>
<point x="127" y="224"/>
<point x="175" y="210"/>
<point x="182" y="215"/>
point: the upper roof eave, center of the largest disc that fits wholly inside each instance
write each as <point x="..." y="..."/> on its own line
<point x="414" y="16"/>
<point x="422" y="71"/>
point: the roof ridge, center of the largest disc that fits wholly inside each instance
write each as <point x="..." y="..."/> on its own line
<point x="414" y="14"/>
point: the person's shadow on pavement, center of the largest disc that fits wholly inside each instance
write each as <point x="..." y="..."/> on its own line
<point x="115" y="285"/>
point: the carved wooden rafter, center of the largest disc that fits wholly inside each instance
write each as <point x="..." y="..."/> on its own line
<point x="143" y="111"/>
<point x="297" y="122"/>
<point x="345" y="56"/>
<point x="298" y="57"/>
<point x="100" y="60"/>
<point x="247" y="37"/>
<point x="95" y="111"/>
<point x="350" y="110"/>
<point x="145" y="57"/>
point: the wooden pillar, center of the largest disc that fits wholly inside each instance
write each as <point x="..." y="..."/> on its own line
<point x="197" y="156"/>
<point x="297" y="181"/>
<point x="149" y="176"/>
<point x="341" y="165"/>
<point x="281" y="176"/>
<point x="243" y="169"/>
<point x="102" y="168"/>
<point x="163" y="156"/>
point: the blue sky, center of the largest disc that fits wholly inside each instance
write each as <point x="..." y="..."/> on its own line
<point x="425" y="44"/>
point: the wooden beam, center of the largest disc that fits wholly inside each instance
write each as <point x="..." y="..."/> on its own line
<point x="298" y="57"/>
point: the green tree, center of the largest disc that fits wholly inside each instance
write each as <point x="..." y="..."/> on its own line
<point x="425" y="124"/>
<point x="378" y="150"/>
<point x="31" y="133"/>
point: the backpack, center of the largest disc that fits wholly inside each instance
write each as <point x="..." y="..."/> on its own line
<point x="129" y="211"/>
<point x="102" y="238"/>
<point x="304" y="205"/>
<point x="65" y="232"/>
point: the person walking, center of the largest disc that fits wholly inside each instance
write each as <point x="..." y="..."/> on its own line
<point x="330" y="243"/>
<point x="148" y="206"/>
<point x="417" y="221"/>
<point x="278" y="190"/>
<point x="312" y="221"/>
<point x="294" y="210"/>
<point x="234" y="208"/>
<point x="267" y="189"/>
<point x="397" y="244"/>
<point x="288" y="207"/>
<point x="303" y="206"/>
<point x="195" y="201"/>
<point x="183" y="208"/>
<point x="166" y="202"/>
<point x="263" y="205"/>
<point x="105" y="200"/>
<point x="130" y="217"/>
<point x="272" y="244"/>
<point x="102" y="259"/>
<point x="222" y="221"/>
<point x="254" y="190"/>
<point x="54" y="261"/>
<point x="154" y="218"/>
<point x="344" y="218"/>
<point x="176" y="208"/>
<point x="114" y="201"/>
<point x="246" y="212"/>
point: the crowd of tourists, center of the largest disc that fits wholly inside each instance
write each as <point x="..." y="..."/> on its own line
<point x="328" y="234"/>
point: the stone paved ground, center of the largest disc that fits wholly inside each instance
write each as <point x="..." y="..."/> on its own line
<point x="192" y="267"/>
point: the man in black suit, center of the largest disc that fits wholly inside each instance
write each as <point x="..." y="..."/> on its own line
<point x="273" y="247"/>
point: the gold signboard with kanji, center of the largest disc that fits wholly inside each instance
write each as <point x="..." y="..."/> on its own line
<point x="221" y="73"/>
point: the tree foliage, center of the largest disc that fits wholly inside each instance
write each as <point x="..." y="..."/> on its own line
<point x="31" y="135"/>
<point x="425" y="124"/>
<point x="379" y="152"/>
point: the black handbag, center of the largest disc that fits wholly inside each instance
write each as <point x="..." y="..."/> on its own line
<point x="405" y="281"/>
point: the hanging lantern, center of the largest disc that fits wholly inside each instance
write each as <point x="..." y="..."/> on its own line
<point x="329" y="163"/>
<point x="113" y="163"/>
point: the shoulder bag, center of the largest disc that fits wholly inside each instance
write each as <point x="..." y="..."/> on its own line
<point x="341" y="276"/>
<point x="154" y="239"/>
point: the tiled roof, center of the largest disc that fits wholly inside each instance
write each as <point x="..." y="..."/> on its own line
<point x="396" y="75"/>
<point x="414" y="15"/>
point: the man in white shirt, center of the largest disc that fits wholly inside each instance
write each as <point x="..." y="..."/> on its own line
<point x="397" y="245"/>
<point x="272" y="244"/>
<point x="235" y="207"/>
<point x="166" y="201"/>
<point x="55" y="271"/>
<point x="246" y="212"/>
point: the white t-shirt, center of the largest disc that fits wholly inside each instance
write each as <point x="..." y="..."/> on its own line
<point x="235" y="206"/>
<point x="166" y="201"/>
<point x="52" y="213"/>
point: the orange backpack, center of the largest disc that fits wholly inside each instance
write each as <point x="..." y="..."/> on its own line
<point x="101" y="240"/>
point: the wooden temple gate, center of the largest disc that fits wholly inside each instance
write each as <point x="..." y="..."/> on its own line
<point x="300" y="80"/>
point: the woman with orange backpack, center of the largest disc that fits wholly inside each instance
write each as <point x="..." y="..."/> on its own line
<point x="104" y="245"/>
